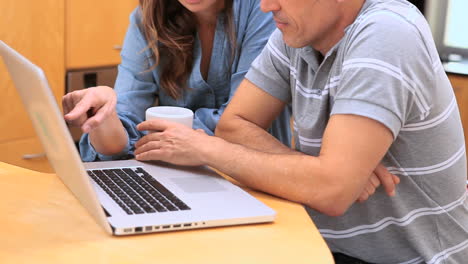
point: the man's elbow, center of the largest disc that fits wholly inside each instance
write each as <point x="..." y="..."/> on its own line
<point x="334" y="210"/>
<point x="332" y="202"/>
<point x="220" y="129"/>
<point x="224" y="127"/>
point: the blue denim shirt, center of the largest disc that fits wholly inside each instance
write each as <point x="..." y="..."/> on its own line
<point x="137" y="88"/>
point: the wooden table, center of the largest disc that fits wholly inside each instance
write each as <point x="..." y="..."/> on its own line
<point x="41" y="222"/>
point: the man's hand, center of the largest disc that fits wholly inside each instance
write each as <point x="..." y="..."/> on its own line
<point x="379" y="176"/>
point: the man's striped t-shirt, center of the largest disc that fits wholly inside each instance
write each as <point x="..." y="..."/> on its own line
<point x="386" y="67"/>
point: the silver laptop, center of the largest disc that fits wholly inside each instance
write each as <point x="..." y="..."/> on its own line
<point x="130" y="197"/>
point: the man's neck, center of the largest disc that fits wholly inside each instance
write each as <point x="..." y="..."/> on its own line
<point x="349" y="10"/>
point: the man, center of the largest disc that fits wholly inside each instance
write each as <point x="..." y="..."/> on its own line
<point x="366" y="86"/>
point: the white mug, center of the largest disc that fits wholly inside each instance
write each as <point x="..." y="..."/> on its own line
<point x="176" y="114"/>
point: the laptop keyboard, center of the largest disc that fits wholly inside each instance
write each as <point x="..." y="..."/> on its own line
<point x="136" y="191"/>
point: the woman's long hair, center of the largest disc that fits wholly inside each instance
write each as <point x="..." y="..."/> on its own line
<point x="170" y="30"/>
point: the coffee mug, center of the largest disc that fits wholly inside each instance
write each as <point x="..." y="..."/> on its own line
<point x="176" y="114"/>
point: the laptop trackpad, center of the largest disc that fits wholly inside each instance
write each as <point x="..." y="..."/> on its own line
<point x="198" y="184"/>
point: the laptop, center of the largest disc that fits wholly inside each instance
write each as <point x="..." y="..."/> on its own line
<point x="130" y="197"/>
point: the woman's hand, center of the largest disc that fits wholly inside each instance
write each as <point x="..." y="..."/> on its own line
<point x="172" y="142"/>
<point x="379" y="176"/>
<point x="89" y="108"/>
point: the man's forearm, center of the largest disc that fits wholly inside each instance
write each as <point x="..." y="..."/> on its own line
<point x="252" y="136"/>
<point x="300" y="178"/>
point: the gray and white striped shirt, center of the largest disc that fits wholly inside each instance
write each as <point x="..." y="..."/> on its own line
<point x="386" y="68"/>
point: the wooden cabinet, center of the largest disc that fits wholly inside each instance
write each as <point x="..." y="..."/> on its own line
<point x="56" y="35"/>
<point x="26" y="153"/>
<point x="35" y="29"/>
<point x="95" y="31"/>
<point x="460" y="87"/>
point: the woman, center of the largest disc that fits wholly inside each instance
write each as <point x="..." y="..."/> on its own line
<point x="189" y="53"/>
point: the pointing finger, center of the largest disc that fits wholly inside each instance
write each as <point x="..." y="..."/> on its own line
<point x="80" y="109"/>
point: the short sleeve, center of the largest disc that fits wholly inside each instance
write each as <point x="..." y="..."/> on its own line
<point x="386" y="71"/>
